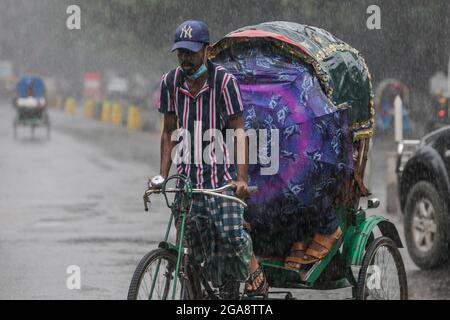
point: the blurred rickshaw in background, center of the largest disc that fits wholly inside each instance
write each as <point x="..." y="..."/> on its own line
<point x="30" y="102"/>
<point x="385" y="95"/>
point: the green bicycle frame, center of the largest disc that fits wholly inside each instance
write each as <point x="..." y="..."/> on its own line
<point x="184" y="212"/>
<point x="357" y="229"/>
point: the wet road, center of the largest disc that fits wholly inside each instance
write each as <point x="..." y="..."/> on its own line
<point x="73" y="200"/>
<point x="77" y="200"/>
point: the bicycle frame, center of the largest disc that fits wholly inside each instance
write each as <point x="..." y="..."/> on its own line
<point x="185" y="210"/>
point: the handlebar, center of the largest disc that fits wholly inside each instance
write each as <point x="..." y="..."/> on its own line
<point x="212" y="192"/>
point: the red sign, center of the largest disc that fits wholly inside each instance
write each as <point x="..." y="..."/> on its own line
<point x="92" y="84"/>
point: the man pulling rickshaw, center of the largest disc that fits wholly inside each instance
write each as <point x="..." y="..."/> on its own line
<point x="306" y="226"/>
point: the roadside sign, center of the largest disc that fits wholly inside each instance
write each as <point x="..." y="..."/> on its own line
<point x="92" y="84"/>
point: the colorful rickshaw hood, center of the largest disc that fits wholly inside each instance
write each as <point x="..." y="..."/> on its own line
<point x="340" y="68"/>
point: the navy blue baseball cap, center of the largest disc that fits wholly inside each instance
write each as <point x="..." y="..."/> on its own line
<point x="191" y="35"/>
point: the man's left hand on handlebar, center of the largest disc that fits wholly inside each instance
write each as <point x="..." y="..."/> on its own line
<point x="241" y="189"/>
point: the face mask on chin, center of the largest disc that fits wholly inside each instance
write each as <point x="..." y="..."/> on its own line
<point x="197" y="74"/>
<point x="200" y="71"/>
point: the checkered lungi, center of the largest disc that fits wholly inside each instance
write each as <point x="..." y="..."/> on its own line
<point x="215" y="234"/>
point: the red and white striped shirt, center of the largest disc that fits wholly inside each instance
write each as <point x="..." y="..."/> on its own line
<point x="218" y="100"/>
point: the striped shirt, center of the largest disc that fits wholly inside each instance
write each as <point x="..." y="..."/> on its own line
<point x="207" y="163"/>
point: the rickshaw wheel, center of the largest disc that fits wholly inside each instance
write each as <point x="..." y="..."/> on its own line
<point x="382" y="275"/>
<point x="158" y="266"/>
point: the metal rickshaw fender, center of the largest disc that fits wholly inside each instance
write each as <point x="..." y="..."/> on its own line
<point x="354" y="251"/>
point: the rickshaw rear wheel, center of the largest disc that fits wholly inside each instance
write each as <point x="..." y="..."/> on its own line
<point x="376" y="274"/>
<point x="158" y="265"/>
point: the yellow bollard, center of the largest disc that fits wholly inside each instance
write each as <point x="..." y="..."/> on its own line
<point x="134" y="118"/>
<point x="89" y="109"/>
<point x="70" y="105"/>
<point x="106" y="111"/>
<point x="116" y="115"/>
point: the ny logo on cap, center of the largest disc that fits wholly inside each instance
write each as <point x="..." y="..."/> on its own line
<point x="186" y="32"/>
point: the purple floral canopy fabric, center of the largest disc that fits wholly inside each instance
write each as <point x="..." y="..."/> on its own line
<point x="282" y="94"/>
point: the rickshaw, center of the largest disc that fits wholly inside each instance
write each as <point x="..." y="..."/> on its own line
<point x="30" y="103"/>
<point x="385" y="94"/>
<point x="268" y="59"/>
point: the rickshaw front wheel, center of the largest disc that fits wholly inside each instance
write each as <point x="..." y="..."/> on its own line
<point x="382" y="275"/>
<point x="154" y="277"/>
